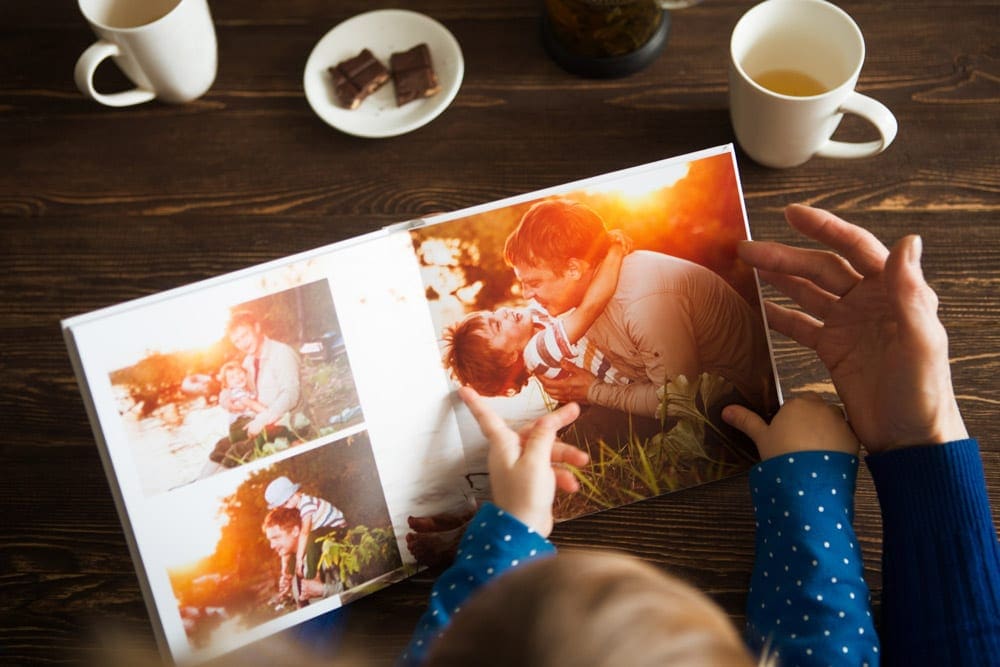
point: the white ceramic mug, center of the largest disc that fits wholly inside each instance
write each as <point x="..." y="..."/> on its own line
<point x="166" y="47"/>
<point x="807" y="37"/>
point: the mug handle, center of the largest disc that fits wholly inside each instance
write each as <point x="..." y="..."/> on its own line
<point x="84" y="75"/>
<point x="875" y="113"/>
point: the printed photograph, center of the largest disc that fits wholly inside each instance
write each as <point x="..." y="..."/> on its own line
<point x="234" y="385"/>
<point x="309" y="528"/>
<point x="626" y="296"/>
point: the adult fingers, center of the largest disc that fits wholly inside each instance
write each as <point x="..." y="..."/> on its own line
<point x="913" y="301"/>
<point x="795" y="324"/>
<point x="859" y="246"/>
<point x="500" y="436"/>
<point x="747" y="421"/>
<point x="826" y="269"/>
<point x="811" y="298"/>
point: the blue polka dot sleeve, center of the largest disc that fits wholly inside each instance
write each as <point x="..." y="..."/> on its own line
<point x="808" y="600"/>
<point x="494" y="543"/>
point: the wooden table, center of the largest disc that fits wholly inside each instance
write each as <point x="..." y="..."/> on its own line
<point x="99" y="206"/>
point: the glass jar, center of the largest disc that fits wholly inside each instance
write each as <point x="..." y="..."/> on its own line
<point x="604" y="38"/>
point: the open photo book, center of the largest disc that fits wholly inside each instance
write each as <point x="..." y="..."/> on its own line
<point x="269" y="434"/>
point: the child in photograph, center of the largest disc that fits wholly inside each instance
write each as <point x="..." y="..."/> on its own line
<point x="496" y="352"/>
<point x="316" y="515"/>
<point x="238" y="399"/>
<point x="872" y="320"/>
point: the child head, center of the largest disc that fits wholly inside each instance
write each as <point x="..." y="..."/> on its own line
<point x="591" y="609"/>
<point x="281" y="492"/>
<point x="233" y="376"/>
<point x="485" y="350"/>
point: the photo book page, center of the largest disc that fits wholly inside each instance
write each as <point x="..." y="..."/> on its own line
<point x="682" y="336"/>
<point x="270" y="435"/>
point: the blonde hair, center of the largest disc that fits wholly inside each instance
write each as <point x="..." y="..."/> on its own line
<point x="230" y="365"/>
<point x="590" y="609"/>
<point x="118" y="646"/>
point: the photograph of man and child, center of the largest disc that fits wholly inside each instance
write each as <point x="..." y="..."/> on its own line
<point x="308" y="528"/>
<point x="253" y="446"/>
<point x="274" y="376"/>
<point x="627" y="298"/>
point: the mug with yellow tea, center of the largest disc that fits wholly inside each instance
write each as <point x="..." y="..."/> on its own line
<point x="793" y="68"/>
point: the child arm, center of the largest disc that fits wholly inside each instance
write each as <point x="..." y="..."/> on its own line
<point x="284" y="576"/>
<point x="600" y="290"/>
<point x="511" y="530"/>
<point x="808" y="598"/>
<point x="300" y="550"/>
<point x="227" y="401"/>
<point x="254" y="404"/>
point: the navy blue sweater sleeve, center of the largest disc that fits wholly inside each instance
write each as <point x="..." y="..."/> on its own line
<point x="808" y="602"/>
<point x="494" y="543"/>
<point x="940" y="559"/>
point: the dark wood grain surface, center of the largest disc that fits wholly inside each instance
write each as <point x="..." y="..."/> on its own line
<point x="99" y="205"/>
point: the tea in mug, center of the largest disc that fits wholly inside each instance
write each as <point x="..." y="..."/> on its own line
<point x="125" y="14"/>
<point x="790" y="82"/>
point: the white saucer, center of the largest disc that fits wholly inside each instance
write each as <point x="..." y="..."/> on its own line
<point x="384" y="32"/>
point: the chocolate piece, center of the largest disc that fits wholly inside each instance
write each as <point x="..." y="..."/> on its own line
<point x="413" y="74"/>
<point x="356" y="78"/>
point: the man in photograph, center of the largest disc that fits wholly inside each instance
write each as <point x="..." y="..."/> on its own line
<point x="273" y="368"/>
<point x="271" y="371"/>
<point x="668" y="316"/>
<point x="282" y="528"/>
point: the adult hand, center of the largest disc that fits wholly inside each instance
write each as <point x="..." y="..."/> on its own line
<point x="872" y="319"/>
<point x="310" y="589"/>
<point x="805" y="422"/>
<point x="255" y="426"/>
<point x="572" y="385"/>
<point x="433" y="540"/>
<point x="524" y="470"/>
<point x="284" y="583"/>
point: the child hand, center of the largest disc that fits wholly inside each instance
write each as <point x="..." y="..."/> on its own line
<point x="621" y="239"/>
<point x="523" y="476"/>
<point x="803" y="423"/>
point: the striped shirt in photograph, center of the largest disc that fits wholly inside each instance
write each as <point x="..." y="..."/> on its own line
<point x="546" y="350"/>
<point x="323" y="513"/>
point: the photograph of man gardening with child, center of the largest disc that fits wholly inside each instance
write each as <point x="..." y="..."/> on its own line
<point x="236" y="385"/>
